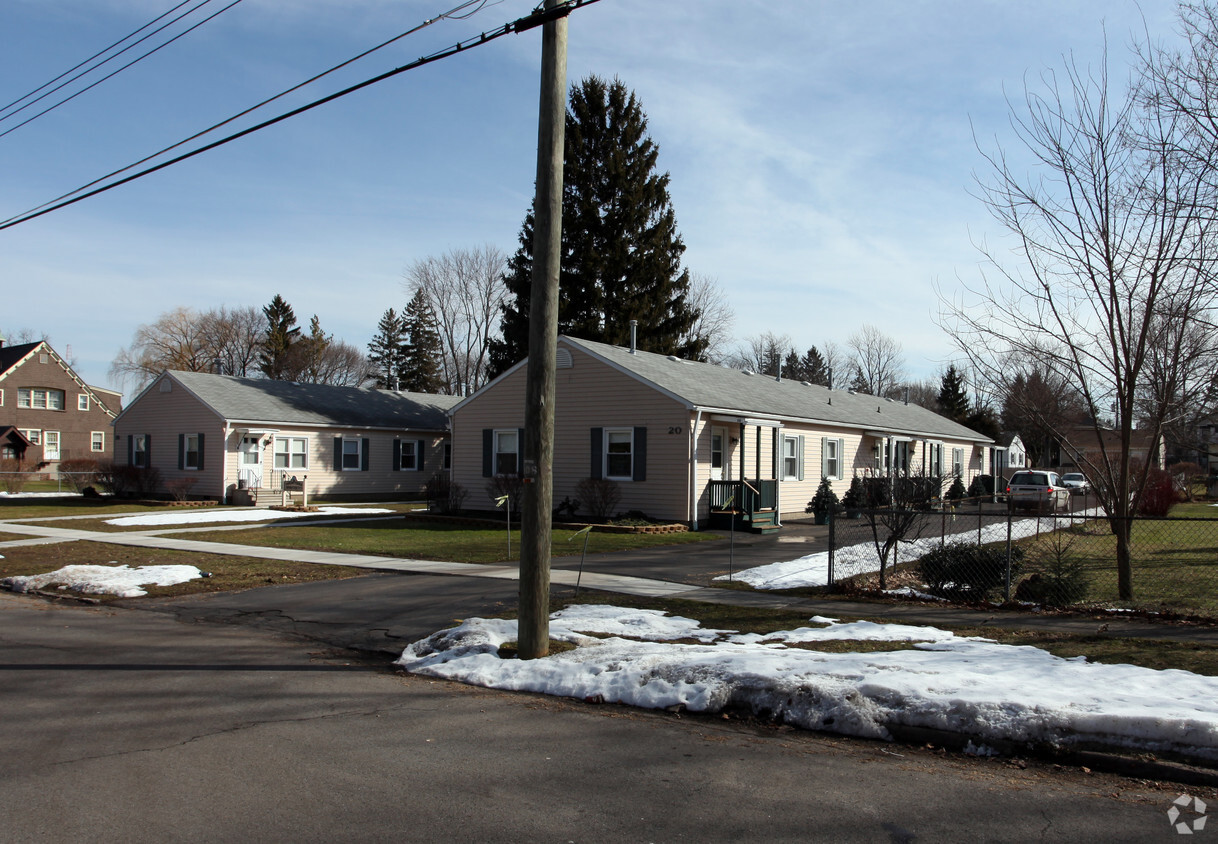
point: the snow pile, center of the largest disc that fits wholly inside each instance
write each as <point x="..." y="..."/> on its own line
<point x="191" y="517"/>
<point x="974" y="687"/>
<point x="123" y="581"/>
<point x="813" y="569"/>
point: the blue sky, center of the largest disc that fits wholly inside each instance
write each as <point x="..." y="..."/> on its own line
<point x="821" y="154"/>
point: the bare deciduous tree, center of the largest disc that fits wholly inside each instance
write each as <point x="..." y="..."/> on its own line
<point x="465" y="289"/>
<point x="712" y="328"/>
<point x="761" y="354"/>
<point x="174" y="341"/>
<point x="233" y="337"/>
<point x="1113" y="239"/>
<point x="878" y="364"/>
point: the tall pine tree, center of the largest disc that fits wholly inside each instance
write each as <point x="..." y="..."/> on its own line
<point x="421" y="352"/>
<point x="953" y="400"/>
<point x="282" y="333"/>
<point x="386" y="351"/>
<point x="621" y="253"/>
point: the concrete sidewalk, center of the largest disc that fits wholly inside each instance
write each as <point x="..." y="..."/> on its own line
<point x="669" y="568"/>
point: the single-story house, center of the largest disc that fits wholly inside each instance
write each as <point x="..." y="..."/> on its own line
<point x="231" y="434"/>
<point x="679" y="436"/>
<point x="1008" y="455"/>
<point x="1082" y="448"/>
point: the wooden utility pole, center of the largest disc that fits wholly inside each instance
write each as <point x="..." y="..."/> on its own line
<point x="537" y="471"/>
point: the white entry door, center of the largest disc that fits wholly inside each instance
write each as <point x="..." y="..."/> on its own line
<point x="251" y="462"/>
<point x="718" y="454"/>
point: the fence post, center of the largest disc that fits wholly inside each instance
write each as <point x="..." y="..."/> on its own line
<point x="979" y="521"/>
<point x="1007" y="590"/>
<point x="832" y="543"/>
<point x="943" y="526"/>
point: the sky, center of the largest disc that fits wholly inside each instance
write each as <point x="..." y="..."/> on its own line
<point x="823" y="157"/>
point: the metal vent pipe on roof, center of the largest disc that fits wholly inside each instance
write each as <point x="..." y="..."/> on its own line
<point x="634" y="335"/>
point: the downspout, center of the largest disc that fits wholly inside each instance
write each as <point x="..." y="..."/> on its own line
<point x="776" y="460"/>
<point x="693" y="482"/>
<point x="224" y="466"/>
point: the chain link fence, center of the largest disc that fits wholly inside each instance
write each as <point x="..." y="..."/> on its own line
<point x="980" y="551"/>
<point x="53" y="481"/>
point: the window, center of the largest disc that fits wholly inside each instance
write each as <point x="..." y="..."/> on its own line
<point x="39" y="399"/>
<point x="192" y="452"/>
<point x="409" y="459"/>
<point x="7" y="452"/>
<point x="139" y="450"/>
<point x="1" y="398"/>
<point x="97" y="441"/>
<point x="33" y="435"/>
<point x="793" y="458"/>
<point x="935" y="469"/>
<point x="448" y="455"/>
<point x="82" y="401"/>
<point x="507" y="452"/>
<point x="293" y="453"/>
<point x="958" y="462"/>
<point x="50" y="445"/>
<point x="900" y="456"/>
<point x="619" y="453"/>
<point x="352" y="453"/>
<point x="716" y="449"/>
<point x="831" y="452"/>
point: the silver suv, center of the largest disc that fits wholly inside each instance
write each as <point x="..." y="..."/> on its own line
<point x="1039" y="490"/>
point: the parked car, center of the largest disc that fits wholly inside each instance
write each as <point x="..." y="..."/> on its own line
<point x="1076" y="482"/>
<point x="1039" y="490"/>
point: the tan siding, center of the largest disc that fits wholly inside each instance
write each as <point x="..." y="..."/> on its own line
<point x="589" y="395"/>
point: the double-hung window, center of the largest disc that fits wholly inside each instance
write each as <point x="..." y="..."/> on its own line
<point x="351" y="454"/>
<point x="792" y="458"/>
<point x="619" y="453"/>
<point x="831" y="455"/>
<point x="82" y="401"/>
<point x="958" y="462"/>
<point x="292" y="453"/>
<point x="139" y="450"/>
<point x="935" y="469"/>
<point x="97" y="441"/>
<point x="409" y="460"/>
<point x="37" y="398"/>
<point x="34" y="435"/>
<point x="191" y="452"/>
<point x="507" y="452"/>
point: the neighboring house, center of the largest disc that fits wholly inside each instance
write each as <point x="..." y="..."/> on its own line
<point x="58" y="415"/>
<point x="1007" y="455"/>
<point x="230" y="434"/>
<point x="1081" y="448"/>
<point x="679" y="436"/>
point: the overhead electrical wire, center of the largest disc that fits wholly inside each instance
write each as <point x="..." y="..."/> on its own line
<point x="453" y="14"/>
<point x="99" y="53"/>
<point x="538" y="17"/>
<point x="119" y="70"/>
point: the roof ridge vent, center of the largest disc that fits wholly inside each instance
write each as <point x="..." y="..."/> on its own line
<point x="674" y="358"/>
<point x="748" y="372"/>
<point x="806" y="383"/>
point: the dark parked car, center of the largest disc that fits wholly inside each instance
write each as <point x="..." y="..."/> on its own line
<point x="1039" y="490"/>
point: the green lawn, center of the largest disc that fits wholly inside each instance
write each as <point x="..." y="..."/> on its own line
<point x="436" y="540"/>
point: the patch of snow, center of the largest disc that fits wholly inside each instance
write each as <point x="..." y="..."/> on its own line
<point x="123" y="581"/>
<point x="205" y="515"/>
<point x="974" y="687"/>
<point x="64" y="494"/>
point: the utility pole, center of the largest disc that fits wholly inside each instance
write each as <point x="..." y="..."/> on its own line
<point x="538" y="468"/>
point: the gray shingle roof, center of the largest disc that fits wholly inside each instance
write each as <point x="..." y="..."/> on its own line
<point x="262" y="401"/>
<point x="709" y="386"/>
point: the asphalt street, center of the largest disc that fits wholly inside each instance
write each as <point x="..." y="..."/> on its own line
<point x="126" y="725"/>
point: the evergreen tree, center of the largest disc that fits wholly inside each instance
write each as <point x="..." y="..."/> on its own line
<point x="282" y="333"/>
<point x="313" y="351"/>
<point x="421" y="351"/>
<point x="953" y="400"/>
<point x="621" y="253"/>
<point x="810" y="367"/>
<point x="387" y="350"/>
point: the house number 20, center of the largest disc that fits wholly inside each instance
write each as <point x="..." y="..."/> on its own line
<point x="674" y="429"/>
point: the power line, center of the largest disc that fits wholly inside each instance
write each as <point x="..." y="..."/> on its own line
<point x="94" y="56"/>
<point x="120" y="70"/>
<point x="537" y="18"/>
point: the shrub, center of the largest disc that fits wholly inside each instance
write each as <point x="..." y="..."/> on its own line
<point x="567" y="509"/>
<point x="509" y="485"/>
<point x="11" y="477"/>
<point x="855" y="497"/>
<point x="600" y="496"/>
<point x="444" y="495"/>
<point x="824" y="501"/>
<point x="80" y="472"/>
<point x="123" y="481"/>
<point x="1159" y="496"/>
<point x="955" y="492"/>
<point x="179" y="488"/>
<point x="961" y="571"/>
<point x="977" y="488"/>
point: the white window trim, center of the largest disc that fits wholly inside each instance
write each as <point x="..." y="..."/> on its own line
<point x="797" y="456"/>
<point x="414" y="454"/>
<point x="136" y="451"/>
<point x="92" y="441"/>
<point x="275" y="453"/>
<point x="82" y="401"/>
<point x="957" y="462"/>
<point x="839" y="457"/>
<point x="46" y="435"/>
<point x="1" y="398"/>
<point x="629" y="476"/>
<point x="186" y="452"/>
<point x="24" y="397"/>
<point x="495" y="452"/>
<point x="34" y="435"/>
<point x="359" y="454"/>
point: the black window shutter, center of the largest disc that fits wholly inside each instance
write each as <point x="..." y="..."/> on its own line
<point x="640" y="454"/>
<point x="488" y="452"/>
<point x="363" y="456"/>
<point x="520" y="452"/>
<point x="131" y="449"/>
<point x="418" y="455"/>
<point x="397" y="455"/>
<point x="148" y="450"/>
<point x="597" y="469"/>
<point x="200" y="451"/>
<point x="181" y="451"/>
<point x="338" y="454"/>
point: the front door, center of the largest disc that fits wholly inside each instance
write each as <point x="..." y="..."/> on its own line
<point x="718" y="456"/>
<point x="251" y="462"/>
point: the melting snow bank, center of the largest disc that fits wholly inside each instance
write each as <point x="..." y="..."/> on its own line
<point x="192" y="517"/>
<point x="971" y="687"/>
<point x="123" y="581"/>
